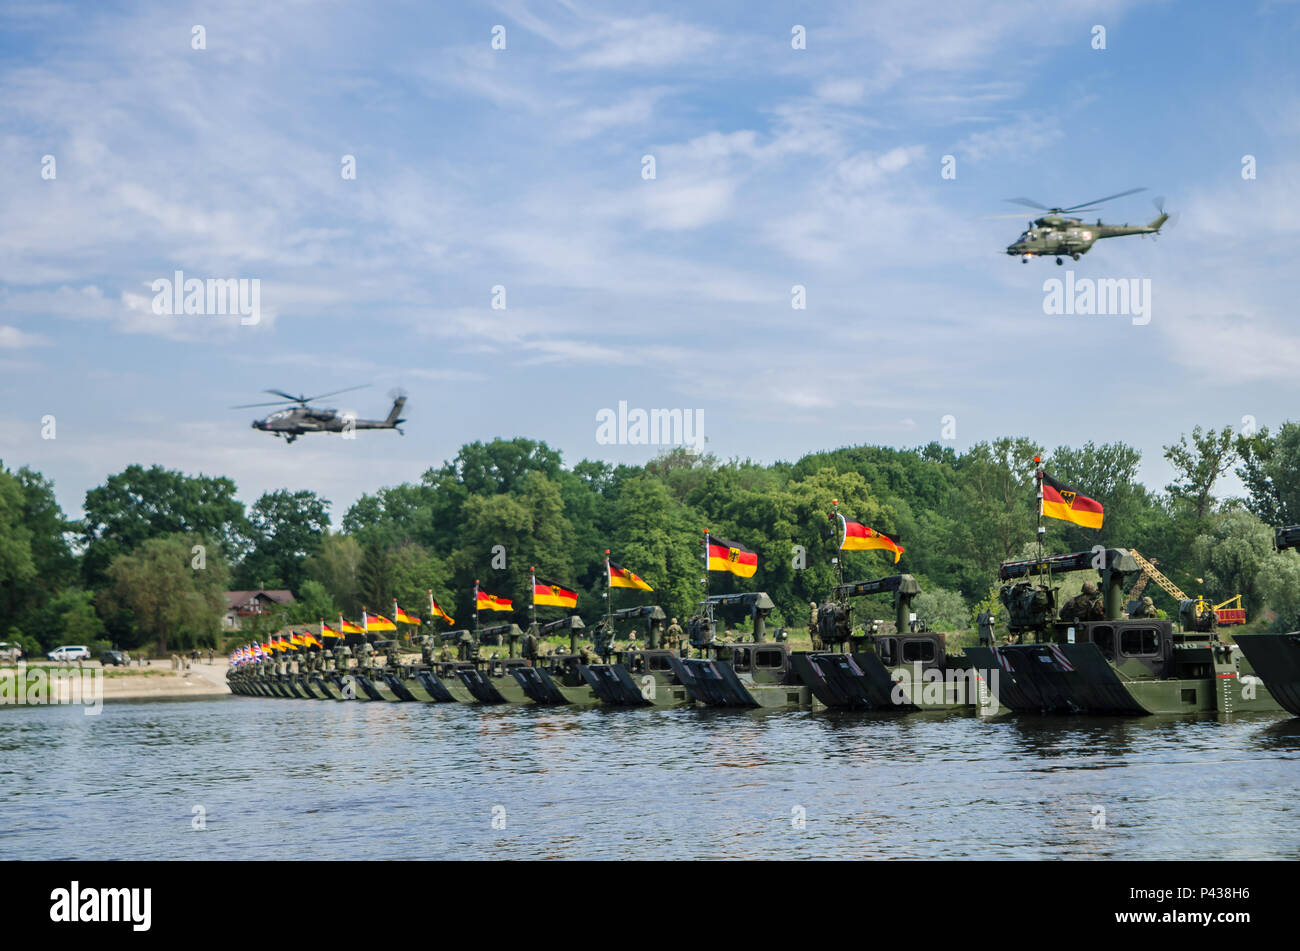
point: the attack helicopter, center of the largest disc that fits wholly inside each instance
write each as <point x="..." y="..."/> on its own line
<point x="299" y="418"/>
<point x="1057" y="234"/>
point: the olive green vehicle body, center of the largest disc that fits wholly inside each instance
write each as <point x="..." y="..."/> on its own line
<point x="641" y="678"/>
<point x="1276" y="659"/>
<point x="1103" y="663"/>
<point x="899" y="672"/>
<point x="905" y="670"/>
<point x="1124" y="667"/>
<point x="749" y="675"/>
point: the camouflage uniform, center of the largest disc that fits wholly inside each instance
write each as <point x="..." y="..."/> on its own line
<point x="1146" y="609"/>
<point x="674" y="635"/>
<point x="814" y="627"/>
<point x="1086" y="606"/>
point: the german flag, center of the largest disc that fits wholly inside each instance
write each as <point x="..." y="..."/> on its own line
<point x="436" y="610"/>
<point x="327" y="631"/>
<point x="733" y="557"/>
<point x="268" y="649"/>
<point x="349" y="628"/>
<point x="404" y="618"/>
<point x="549" y="594"/>
<point x="377" y="622"/>
<point x="1061" y="501"/>
<point x="620" y="577"/>
<point x="490" y="602"/>
<point x="309" y="640"/>
<point x="295" y="639"/>
<point x="859" y="537"/>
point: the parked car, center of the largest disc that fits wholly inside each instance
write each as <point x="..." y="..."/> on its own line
<point x="70" y="652"/>
<point x="112" y="658"/>
<point x="10" y="652"/>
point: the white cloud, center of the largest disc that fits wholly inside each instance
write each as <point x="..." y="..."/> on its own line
<point x="11" y="338"/>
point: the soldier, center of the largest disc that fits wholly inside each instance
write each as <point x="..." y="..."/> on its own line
<point x="1086" y="606"/>
<point x="674" y="635"/>
<point x="1146" y="609"/>
<point x="530" y="647"/>
<point x="812" y="624"/>
<point x="985" y="622"/>
<point x="465" y="646"/>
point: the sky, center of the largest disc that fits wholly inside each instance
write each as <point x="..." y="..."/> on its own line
<point x="524" y="169"/>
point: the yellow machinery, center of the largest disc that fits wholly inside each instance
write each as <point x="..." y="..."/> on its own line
<point x="1225" y="614"/>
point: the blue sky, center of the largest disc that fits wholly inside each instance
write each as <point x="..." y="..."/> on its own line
<point x="522" y="168"/>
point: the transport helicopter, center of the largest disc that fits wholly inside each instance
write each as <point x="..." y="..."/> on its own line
<point x="299" y="418"/>
<point x="1058" y="234"/>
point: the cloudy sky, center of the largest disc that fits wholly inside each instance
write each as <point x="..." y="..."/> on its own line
<point x="523" y="168"/>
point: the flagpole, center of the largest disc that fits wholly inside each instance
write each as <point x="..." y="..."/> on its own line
<point x="476" y="610"/>
<point x="532" y="610"/>
<point x="609" y="592"/>
<point x="708" y="605"/>
<point x="839" y="558"/>
<point x="1042" y="529"/>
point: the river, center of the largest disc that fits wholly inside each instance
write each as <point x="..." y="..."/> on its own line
<point x="243" y="778"/>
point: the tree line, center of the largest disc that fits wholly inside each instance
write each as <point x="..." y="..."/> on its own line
<point x="149" y="562"/>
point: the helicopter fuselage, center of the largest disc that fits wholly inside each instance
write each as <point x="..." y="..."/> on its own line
<point x="299" y="420"/>
<point x="1058" y="236"/>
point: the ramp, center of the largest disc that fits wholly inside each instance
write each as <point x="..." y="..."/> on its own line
<point x="847" y="681"/>
<point x="396" y="686"/>
<point x="437" y="689"/>
<point x="1276" y="661"/>
<point x="1055" y="678"/>
<point x="480" y="686"/>
<point x="613" y="685"/>
<point x="712" y="683"/>
<point x="538" y="685"/>
<point x="367" y="687"/>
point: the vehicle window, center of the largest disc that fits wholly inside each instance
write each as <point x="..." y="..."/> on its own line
<point x="888" y="651"/>
<point x="914" y="651"/>
<point x="1104" y="638"/>
<point x="1140" y="642"/>
<point x="740" y="660"/>
<point x="769" y="660"/>
<point x="659" y="663"/>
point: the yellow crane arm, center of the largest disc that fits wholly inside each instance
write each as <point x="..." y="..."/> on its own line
<point x="1170" y="588"/>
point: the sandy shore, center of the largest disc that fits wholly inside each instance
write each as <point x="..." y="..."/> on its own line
<point x="157" y="680"/>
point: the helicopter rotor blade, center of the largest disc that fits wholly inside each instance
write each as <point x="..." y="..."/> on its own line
<point x="1098" y="201"/>
<point x="348" y="389"/>
<point x="1031" y="204"/>
<point x="254" y="405"/>
<point x="288" y="396"/>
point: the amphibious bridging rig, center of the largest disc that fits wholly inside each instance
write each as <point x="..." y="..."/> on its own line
<point x="1086" y="657"/>
<point x="905" y="669"/>
<point x="1276" y="657"/>
<point x="757" y="674"/>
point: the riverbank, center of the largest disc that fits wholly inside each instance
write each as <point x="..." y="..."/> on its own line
<point x="154" y="680"/>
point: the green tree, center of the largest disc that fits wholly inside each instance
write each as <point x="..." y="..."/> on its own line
<point x="1199" y="466"/>
<point x="312" y="604"/>
<point x="138" y="504"/>
<point x="285" y="528"/>
<point x="336" y="566"/>
<point x="165" y="597"/>
<point x="1232" y="554"/>
<point x="1270" y="470"/>
<point x="18" y="570"/>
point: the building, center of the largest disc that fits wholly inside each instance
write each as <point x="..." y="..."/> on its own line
<point x="245" y="604"/>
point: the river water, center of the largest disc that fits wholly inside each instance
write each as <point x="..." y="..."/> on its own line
<point x="244" y="778"/>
